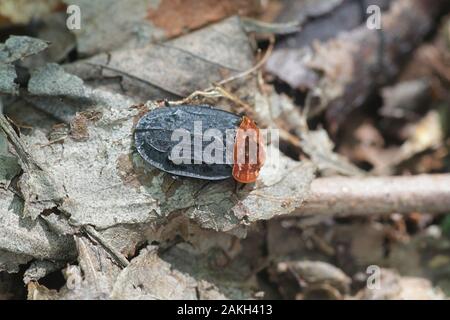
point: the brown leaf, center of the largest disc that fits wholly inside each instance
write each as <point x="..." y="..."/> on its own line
<point x="177" y="17"/>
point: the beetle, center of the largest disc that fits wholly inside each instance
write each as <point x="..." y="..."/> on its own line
<point x="163" y="132"/>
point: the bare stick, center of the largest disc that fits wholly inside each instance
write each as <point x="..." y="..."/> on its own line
<point x="255" y="67"/>
<point x="216" y="91"/>
<point x="344" y="196"/>
<point x="117" y="255"/>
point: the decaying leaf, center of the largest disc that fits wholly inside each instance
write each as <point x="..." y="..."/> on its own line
<point x="93" y="278"/>
<point x="177" y="17"/>
<point x="149" y="277"/>
<point x="130" y="27"/>
<point x="315" y="143"/>
<point x="38" y="188"/>
<point x="319" y="147"/>
<point x="11" y="262"/>
<point x="19" y="47"/>
<point x="40" y="268"/>
<point x="9" y="165"/>
<point x="7" y="77"/>
<point x="52" y="80"/>
<point x="143" y="194"/>
<point x="175" y="68"/>
<point x="22" y="239"/>
<point x="317" y="276"/>
<point x="141" y="22"/>
<point x="16" y="48"/>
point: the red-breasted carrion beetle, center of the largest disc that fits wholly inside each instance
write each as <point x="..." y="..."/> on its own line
<point x="202" y="142"/>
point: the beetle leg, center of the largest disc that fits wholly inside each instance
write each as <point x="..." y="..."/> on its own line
<point x="238" y="186"/>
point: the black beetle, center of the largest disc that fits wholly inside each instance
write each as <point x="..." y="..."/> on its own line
<point x="158" y="135"/>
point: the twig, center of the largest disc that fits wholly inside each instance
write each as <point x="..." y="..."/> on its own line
<point x="20" y="148"/>
<point x="118" y="256"/>
<point x="262" y="27"/>
<point x="216" y="91"/>
<point x="209" y="93"/>
<point x="344" y="196"/>
<point x="255" y="67"/>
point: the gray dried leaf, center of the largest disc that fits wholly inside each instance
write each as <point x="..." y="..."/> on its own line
<point x="130" y="27"/>
<point x="52" y="80"/>
<point x="151" y="278"/>
<point x="9" y="164"/>
<point x="89" y="192"/>
<point x="203" y="276"/>
<point x="92" y="278"/>
<point x="18" y="47"/>
<point x="25" y="238"/>
<point x="178" y="67"/>
<point x="65" y="109"/>
<point x="291" y="66"/>
<point x="301" y="11"/>
<point x="148" y="276"/>
<point x="317" y="273"/>
<point x="59" y="224"/>
<point x="145" y="21"/>
<point x="318" y="145"/>
<point x="40" y="268"/>
<point x="38" y="188"/>
<point x="215" y="270"/>
<point x="127" y="238"/>
<point x="21" y="111"/>
<point x="11" y="262"/>
<point x="7" y="77"/>
<point x="40" y="191"/>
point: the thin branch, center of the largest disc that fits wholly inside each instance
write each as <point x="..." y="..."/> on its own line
<point x="216" y="91"/>
<point x="345" y="196"/>
<point x="255" y="67"/>
<point x="20" y="148"/>
<point x="115" y="254"/>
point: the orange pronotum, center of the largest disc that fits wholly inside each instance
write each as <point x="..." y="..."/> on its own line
<point x="247" y="172"/>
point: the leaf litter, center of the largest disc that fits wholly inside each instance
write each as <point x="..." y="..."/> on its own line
<point x="95" y="177"/>
<point x="76" y="197"/>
